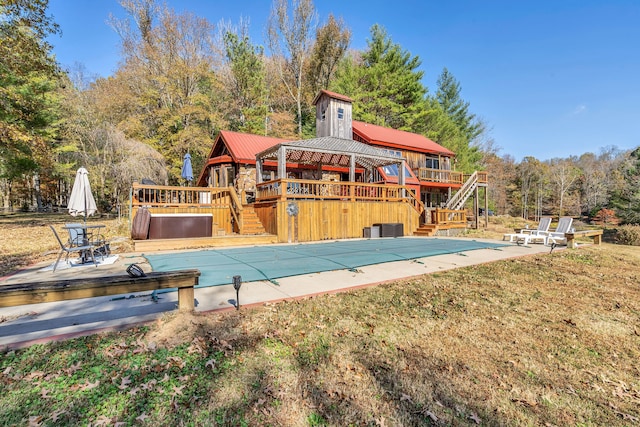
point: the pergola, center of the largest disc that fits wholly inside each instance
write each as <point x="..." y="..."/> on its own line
<point x="328" y="150"/>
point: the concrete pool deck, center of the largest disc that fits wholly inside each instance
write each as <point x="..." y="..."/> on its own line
<point x="37" y="323"/>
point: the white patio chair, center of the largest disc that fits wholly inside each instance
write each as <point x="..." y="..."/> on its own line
<point x="558" y="235"/>
<point x="531" y="235"/>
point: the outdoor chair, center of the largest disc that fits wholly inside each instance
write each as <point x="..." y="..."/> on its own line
<point x="531" y="235"/>
<point x="558" y="235"/>
<point x="67" y="249"/>
<point x="76" y="234"/>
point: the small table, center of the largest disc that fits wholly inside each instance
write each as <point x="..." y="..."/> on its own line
<point x="571" y="242"/>
<point x="90" y="236"/>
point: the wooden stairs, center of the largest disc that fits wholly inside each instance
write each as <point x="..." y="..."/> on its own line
<point x="251" y="224"/>
<point x="427" y="230"/>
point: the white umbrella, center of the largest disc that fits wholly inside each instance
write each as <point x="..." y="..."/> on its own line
<point x="81" y="201"/>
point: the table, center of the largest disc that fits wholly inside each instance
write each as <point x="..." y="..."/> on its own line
<point x="595" y="234"/>
<point x="90" y="236"/>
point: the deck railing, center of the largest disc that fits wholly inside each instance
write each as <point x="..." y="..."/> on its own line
<point x="449" y="217"/>
<point x="447" y="176"/>
<point x="439" y="175"/>
<point x="292" y="189"/>
<point x="183" y="198"/>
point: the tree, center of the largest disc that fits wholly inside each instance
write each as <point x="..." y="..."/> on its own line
<point x="529" y="174"/>
<point x="563" y="174"/>
<point x="245" y="82"/>
<point x="626" y="197"/>
<point x="289" y="30"/>
<point x="448" y="96"/>
<point x="385" y="84"/>
<point x="332" y="41"/>
<point x="169" y="68"/>
<point x="29" y="81"/>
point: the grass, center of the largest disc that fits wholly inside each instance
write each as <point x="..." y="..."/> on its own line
<point x="25" y="238"/>
<point x="549" y="339"/>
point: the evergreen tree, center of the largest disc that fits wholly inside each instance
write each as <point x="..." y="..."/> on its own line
<point x="246" y="85"/>
<point x="626" y="198"/>
<point x="448" y="96"/>
<point x="385" y="83"/>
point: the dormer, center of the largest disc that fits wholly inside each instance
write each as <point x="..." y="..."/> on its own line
<point x="333" y="115"/>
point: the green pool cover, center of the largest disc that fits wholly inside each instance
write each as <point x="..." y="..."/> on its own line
<point x="218" y="266"/>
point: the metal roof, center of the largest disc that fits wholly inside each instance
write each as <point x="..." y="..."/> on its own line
<point x="330" y="150"/>
<point x="375" y="134"/>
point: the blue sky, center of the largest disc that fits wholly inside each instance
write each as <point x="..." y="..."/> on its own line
<point x="550" y="78"/>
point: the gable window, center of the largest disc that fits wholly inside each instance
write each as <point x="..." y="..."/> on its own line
<point x="340" y="113"/>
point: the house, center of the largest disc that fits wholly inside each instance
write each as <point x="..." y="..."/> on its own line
<point x="232" y="159"/>
<point x="351" y="176"/>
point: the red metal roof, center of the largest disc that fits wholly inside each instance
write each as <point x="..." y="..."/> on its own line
<point x="332" y="95"/>
<point x="388" y="137"/>
<point x="245" y="146"/>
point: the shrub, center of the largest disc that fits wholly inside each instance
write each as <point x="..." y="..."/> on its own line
<point x="606" y="216"/>
<point x="628" y="235"/>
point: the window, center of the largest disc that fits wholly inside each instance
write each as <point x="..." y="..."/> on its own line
<point x="340" y="113"/>
<point x="323" y="114"/>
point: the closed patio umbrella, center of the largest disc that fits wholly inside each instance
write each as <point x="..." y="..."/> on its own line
<point x="81" y="201"/>
<point x="187" y="171"/>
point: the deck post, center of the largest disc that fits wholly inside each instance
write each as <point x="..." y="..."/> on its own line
<point x="282" y="162"/>
<point x="352" y="168"/>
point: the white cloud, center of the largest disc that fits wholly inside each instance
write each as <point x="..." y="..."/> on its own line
<point x="579" y="110"/>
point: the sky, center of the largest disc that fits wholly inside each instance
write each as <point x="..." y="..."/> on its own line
<point x="550" y="78"/>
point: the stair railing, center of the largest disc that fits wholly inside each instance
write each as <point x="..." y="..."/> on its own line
<point x="235" y="206"/>
<point x="458" y="200"/>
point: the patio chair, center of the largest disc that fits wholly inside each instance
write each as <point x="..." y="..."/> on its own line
<point x="531" y="235"/>
<point x="86" y="249"/>
<point x="76" y="234"/>
<point x="558" y="235"/>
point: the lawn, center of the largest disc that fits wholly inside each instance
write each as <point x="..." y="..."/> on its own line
<point x="550" y="339"/>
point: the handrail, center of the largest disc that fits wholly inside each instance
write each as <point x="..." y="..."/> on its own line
<point x="295" y="189"/>
<point x="463" y="194"/>
<point x="439" y="175"/>
<point x="236" y="208"/>
<point x="448" y="217"/>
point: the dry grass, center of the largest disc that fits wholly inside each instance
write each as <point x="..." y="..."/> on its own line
<point x="25" y="238"/>
<point x="545" y="340"/>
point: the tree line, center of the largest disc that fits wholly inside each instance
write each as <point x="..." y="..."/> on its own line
<point x="181" y="79"/>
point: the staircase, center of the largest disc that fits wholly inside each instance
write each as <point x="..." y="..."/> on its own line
<point x="250" y="222"/>
<point x="460" y="198"/>
<point x="426" y="230"/>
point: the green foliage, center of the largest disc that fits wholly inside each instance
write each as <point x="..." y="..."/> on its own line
<point x="626" y="199"/>
<point x="247" y="100"/>
<point x="448" y="97"/>
<point x="385" y="84"/>
<point x="29" y="106"/>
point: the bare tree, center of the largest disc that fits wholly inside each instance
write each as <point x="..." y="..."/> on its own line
<point x="563" y="174"/>
<point x="289" y="30"/>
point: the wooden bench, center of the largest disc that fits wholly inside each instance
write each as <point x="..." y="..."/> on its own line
<point x="571" y="242"/>
<point x="62" y="290"/>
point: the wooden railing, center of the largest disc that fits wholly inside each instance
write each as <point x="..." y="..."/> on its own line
<point x="447" y="176"/>
<point x="449" y="217"/>
<point x="182" y="198"/>
<point x="439" y="175"/>
<point x="292" y="189"/>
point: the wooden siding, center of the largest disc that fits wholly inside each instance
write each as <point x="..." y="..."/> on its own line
<point x="327" y="121"/>
<point x="333" y="219"/>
